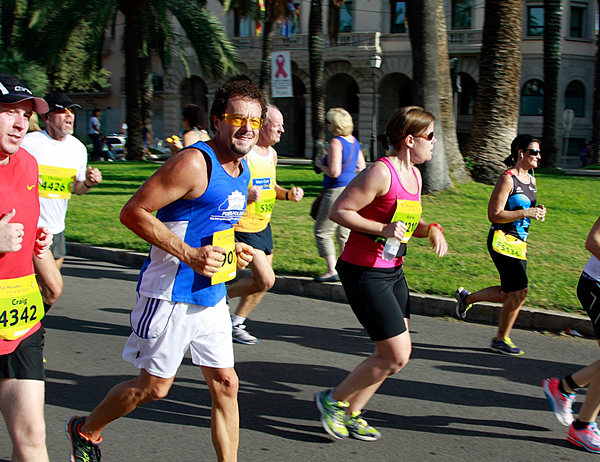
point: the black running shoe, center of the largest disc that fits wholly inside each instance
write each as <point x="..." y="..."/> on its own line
<point x="82" y="450"/>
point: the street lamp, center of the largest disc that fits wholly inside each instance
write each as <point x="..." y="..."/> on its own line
<point x="375" y="65"/>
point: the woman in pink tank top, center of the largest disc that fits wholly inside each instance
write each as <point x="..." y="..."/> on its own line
<point x="383" y="202"/>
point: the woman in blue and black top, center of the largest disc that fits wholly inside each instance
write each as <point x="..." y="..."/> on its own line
<point x="511" y="208"/>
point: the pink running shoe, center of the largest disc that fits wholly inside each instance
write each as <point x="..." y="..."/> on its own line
<point x="588" y="437"/>
<point x="561" y="403"/>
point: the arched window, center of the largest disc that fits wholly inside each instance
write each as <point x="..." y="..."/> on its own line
<point x="575" y="98"/>
<point x="532" y="98"/>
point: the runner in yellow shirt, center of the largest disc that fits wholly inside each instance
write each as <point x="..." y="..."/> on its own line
<point x="254" y="228"/>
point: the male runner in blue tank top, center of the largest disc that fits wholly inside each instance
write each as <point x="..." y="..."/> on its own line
<point x="198" y="194"/>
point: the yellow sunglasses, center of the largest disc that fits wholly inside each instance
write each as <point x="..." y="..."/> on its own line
<point x="239" y="120"/>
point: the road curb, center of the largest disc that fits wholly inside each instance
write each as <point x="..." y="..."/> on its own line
<point x="430" y="305"/>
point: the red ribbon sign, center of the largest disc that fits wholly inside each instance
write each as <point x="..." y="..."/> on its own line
<point x="280" y="61"/>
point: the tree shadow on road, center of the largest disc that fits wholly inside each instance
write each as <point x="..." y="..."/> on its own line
<point x="91" y="269"/>
<point x="65" y="323"/>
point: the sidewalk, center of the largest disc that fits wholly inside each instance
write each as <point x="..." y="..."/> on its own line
<point x="580" y="172"/>
<point x="430" y="305"/>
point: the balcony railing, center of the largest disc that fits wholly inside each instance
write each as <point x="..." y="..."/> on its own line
<point x="368" y="41"/>
<point x="464" y="38"/>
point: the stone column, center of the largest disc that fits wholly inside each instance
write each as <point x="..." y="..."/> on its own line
<point x="365" y="122"/>
<point x="308" y="146"/>
<point x="171" y="114"/>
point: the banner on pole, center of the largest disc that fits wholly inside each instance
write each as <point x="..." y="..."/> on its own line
<point x="281" y="75"/>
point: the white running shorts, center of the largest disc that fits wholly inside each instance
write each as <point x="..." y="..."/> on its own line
<point x="163" y="331"/>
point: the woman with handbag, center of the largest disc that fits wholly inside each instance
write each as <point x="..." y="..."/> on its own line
<point x="383" y="203"/>
<point x="512" y="206"/>
<point x="343" y="160"/>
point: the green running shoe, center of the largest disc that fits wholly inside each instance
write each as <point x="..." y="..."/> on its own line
<point x="360" y="429"/>
<point x="333" y="415"/>
<point x="82" y="450"/>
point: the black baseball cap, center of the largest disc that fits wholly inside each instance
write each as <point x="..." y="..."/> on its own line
<point x="14" y="90"/>
<point x="58" y="99"/>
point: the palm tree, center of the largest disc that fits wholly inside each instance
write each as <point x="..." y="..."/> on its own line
<point x="316" y="69"/>
<point x="273" y="14"/>
<point x="216" y="55"/>
<point x="497" y="106"/>
<point x="422" y="18"/>
<point x="552" y="52"/>
<point x="454" y="158"/>
<point x="596" y="116"/>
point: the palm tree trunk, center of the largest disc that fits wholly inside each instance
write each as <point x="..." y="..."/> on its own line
<point x="132" y="43"/>
<point x="7" y="21"/>
<point x="147" y="93"/>
<point x="552" y="51"/>
<point x="497" y="107"/>
<point x="316" y="67"/>
<point x="265" y="66"/>
<point x="454" y="158"/>
<point x="596" y="116"/>
<point x="423" y="38"/>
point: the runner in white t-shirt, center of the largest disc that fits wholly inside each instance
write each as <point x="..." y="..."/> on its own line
<point x="62" y="160"/>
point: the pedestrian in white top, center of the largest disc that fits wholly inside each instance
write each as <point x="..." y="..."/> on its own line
<point x="95" y="134"/>
<point x="62" y="160"/>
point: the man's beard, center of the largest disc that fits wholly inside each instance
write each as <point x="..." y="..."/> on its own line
<point x="241" y="151"/>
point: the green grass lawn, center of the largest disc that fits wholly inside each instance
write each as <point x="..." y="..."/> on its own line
<point x="556" y="246"/>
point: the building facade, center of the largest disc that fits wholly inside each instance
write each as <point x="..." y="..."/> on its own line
<point x="369" y="27"/>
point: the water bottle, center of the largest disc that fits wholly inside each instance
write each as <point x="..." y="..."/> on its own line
<point x="391" y="248"/>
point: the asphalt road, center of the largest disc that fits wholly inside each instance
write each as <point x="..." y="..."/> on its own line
<point x="454" y="401"/>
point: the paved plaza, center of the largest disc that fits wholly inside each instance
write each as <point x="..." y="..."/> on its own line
<point x="455" y="400"/>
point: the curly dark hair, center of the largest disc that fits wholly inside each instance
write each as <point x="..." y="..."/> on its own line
<point x="243" y="88"/>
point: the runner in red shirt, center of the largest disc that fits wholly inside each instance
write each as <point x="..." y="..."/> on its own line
<point x="21" y="306"/>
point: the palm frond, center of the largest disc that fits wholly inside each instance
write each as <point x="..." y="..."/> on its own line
<point x="216" y="55"/>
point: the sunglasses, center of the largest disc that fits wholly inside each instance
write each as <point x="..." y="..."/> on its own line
<point x="64" y="110"/>
<point x="239" y="120"/>
<point x="428" y="137"/>
<point x="534" y="152"/>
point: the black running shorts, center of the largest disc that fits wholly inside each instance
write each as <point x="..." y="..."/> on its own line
<point x="263" y="240"/>
<point x="513" y="271"/>
<point x="588" y="293"/>
<point x="27" y="361"/>
<point x="378" y="296"/>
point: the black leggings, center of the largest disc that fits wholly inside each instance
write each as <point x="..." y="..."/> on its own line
<point x="588" y="293"/>
<point x="513" y="271"/>
<point x="378" y="297"/>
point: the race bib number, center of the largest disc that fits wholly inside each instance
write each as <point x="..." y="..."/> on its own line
<point x="409" y="212"/>
<point x="508" y="245"/>
<point x="21" y="306"/>
<point x="56" y="182"/>
<point x="264" y="206"/>
<point x="227" y="271"/>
